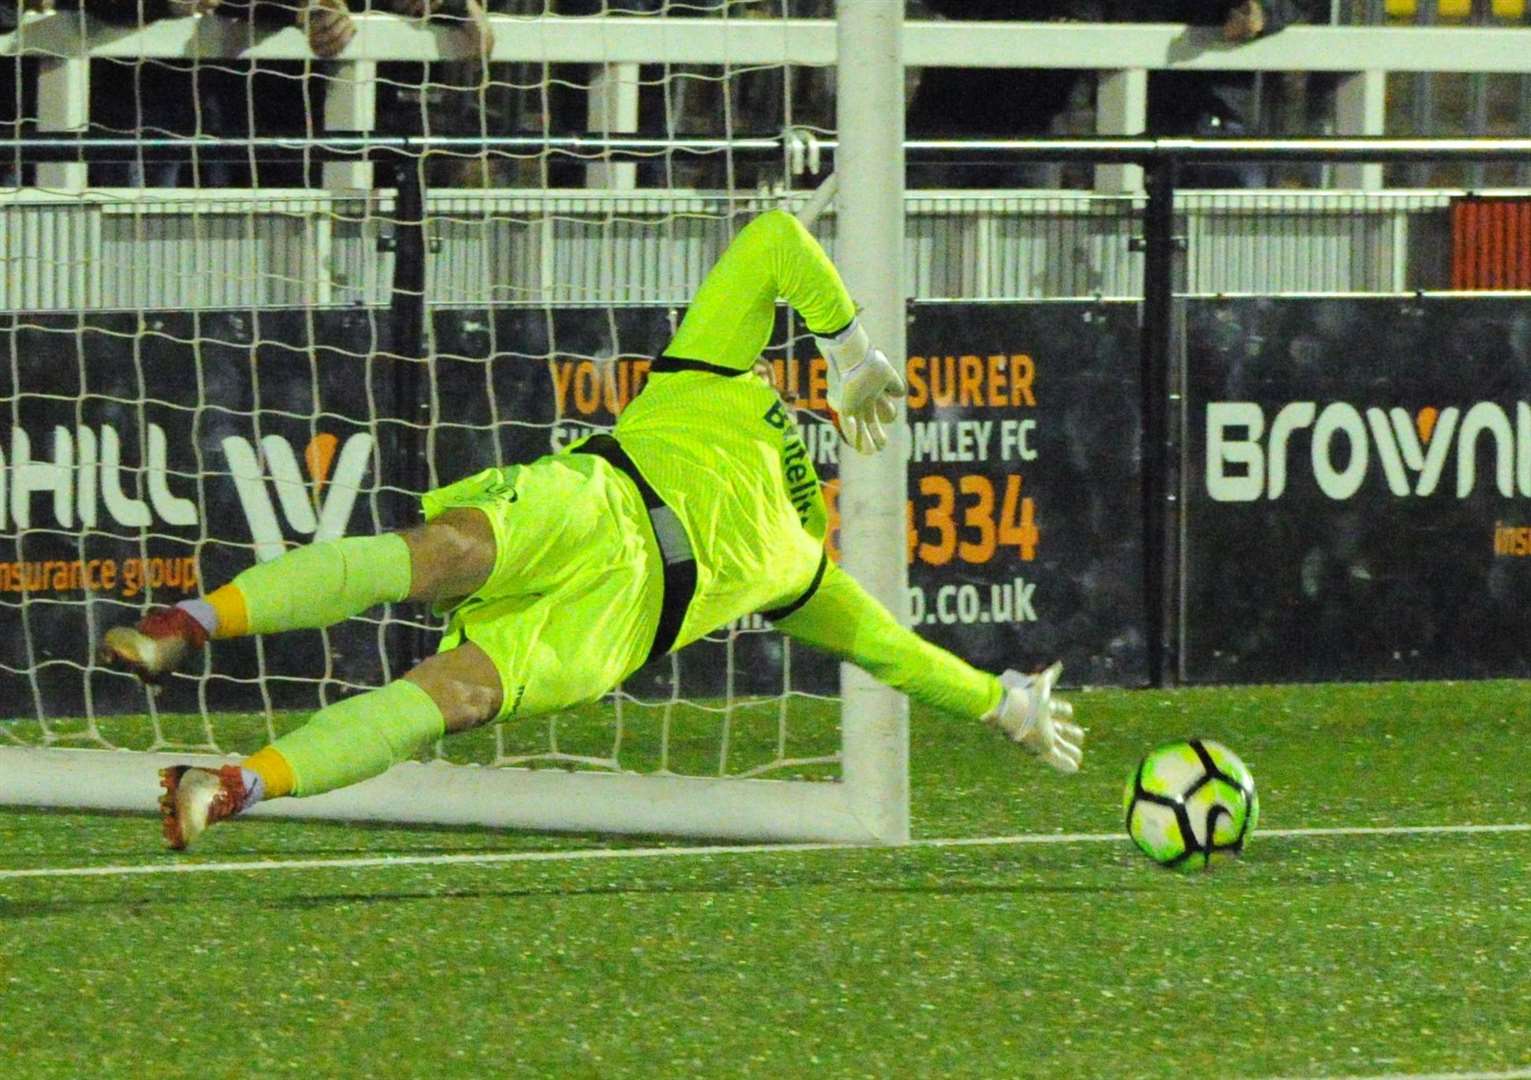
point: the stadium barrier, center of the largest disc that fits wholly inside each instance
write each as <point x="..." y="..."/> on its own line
<point x="1364" y="58"/>
<point x="986" y="357"/>
<point x="263" y="432"/>
<point x="1385" y="550"/>
<point x="289" y="248"/>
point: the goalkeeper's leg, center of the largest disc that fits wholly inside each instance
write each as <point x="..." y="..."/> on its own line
<point x="314" y="586"/>
<point x="343" y="744"/>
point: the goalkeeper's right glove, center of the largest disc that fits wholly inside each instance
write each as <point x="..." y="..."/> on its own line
<point x="862" y="387"/>
<point x="1032" y="715"/>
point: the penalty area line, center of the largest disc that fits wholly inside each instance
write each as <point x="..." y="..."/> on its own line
<point x="383" y="862"/>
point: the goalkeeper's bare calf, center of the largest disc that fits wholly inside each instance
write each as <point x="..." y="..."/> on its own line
<point x="457" y="689"/>
<point x="449" y="559"/>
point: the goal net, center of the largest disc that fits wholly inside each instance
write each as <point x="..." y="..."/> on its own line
<point x="214" y="352"/>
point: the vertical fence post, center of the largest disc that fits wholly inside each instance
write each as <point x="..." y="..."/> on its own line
<point x="407" y="302"/>
<point x="350" y="104"/>
<point x="1121" y="108"/>
<point x="63" y="104"/>
<point x="1523" y="170"/>
<point x="613" y="111"/>
<point x="1157" y="320"/>
<point x="1360" y="103"/>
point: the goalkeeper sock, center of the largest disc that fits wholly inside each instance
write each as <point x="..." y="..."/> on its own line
<point x="359" y="737"/>
<point x="230" y="616"/>
<point x="205" y="614"/>
<point x="313" y="586"/>
<point x="273" y="775"/>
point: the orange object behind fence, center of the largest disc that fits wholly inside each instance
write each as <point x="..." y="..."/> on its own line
<point x="1490" y="243"/>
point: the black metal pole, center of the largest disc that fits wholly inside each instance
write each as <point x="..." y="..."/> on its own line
<point x="1157" y="341"/>
<point x="407" y="301"/>
<point x="410" y="351"/>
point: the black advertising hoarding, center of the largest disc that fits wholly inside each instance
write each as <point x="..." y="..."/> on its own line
<point x="1025" y="543"/>
<point x="1026" y="536"/>
<point x="146" y="456"/>
<point x="1358" y="489"/>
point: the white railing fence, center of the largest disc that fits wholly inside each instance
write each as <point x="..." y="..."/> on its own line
<point x="1122" y="55"/>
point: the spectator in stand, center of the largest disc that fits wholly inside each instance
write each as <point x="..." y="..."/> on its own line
<point x="1209" y="103"/>
<point x="223" y="97"/>
<point x="152" y="98"/>
<point x="996" y="102"/>
<point x="216" y="97"/>
<point x="330" y="27"/>
<point x="439" y="98"/>
<point x="18" y="81"/>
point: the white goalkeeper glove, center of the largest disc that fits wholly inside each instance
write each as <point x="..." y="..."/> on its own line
<point x="1032" y="715"/>
<point x="862" y="387"/>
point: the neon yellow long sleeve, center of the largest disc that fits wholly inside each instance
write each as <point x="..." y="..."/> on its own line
<point x="843" y="619"/>
<point x="773" y="257"/>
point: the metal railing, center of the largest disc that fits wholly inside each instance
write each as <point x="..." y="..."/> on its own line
<point x="63" y="43"/>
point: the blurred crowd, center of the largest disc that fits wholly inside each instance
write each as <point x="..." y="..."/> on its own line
<point x="477" y="96"/>
<point x="972" y="102"/>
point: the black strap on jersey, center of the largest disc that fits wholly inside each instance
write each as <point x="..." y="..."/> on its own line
<point x="778" y="614"/>
<point x="674" y="547"/>
<point x="666" y="364"/>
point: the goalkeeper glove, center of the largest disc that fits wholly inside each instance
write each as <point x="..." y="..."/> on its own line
<point x="862" y="387"/>
<point x="1037" y="719"/>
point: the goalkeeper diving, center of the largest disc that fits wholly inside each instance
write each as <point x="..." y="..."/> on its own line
<point x="562" y="577"/>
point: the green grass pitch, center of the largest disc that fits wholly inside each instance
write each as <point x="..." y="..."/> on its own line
<point x="1389" y="953"/>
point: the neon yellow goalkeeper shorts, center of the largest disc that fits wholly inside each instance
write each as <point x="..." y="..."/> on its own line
<point x="572" y="604"/>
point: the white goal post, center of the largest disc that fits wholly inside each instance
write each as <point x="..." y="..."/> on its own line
<point x="868" y="803"/>
<point x="865" y="807"/>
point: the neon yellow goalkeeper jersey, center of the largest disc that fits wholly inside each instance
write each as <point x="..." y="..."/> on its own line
<point x="715" y="440"/>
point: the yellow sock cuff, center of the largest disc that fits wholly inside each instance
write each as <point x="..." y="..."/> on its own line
<point x="360" y="737"/>
<point x="273" y="769"/>
<point x="228" y="603"/>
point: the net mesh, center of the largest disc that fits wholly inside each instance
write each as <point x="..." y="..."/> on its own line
<point x="213" y="354"/>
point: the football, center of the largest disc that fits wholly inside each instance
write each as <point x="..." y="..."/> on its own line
<point x="1190" y="803"/>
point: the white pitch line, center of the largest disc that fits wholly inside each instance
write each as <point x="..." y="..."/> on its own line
<point x="1512" y="1074"/>
<point x="367" y="862"/>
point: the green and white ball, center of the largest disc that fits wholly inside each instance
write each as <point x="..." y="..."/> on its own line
<point x="1190" y="803"/>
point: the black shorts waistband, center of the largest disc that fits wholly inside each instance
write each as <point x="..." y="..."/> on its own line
<point x="674" y="547"/>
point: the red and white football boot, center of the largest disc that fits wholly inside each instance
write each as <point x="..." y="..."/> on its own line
<point x="156" y="646"/>
<point x="195" y="798"/>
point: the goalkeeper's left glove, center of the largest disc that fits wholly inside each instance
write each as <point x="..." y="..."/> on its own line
<point x="1032" y="715"/>
<point x="862" y="387"/>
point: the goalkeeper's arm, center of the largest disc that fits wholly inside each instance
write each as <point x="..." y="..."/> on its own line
<point x="843" y="619"/>
<point x="729" y="321"/>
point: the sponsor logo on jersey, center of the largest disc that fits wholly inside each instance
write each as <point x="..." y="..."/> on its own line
<point x="797" y="467"/>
